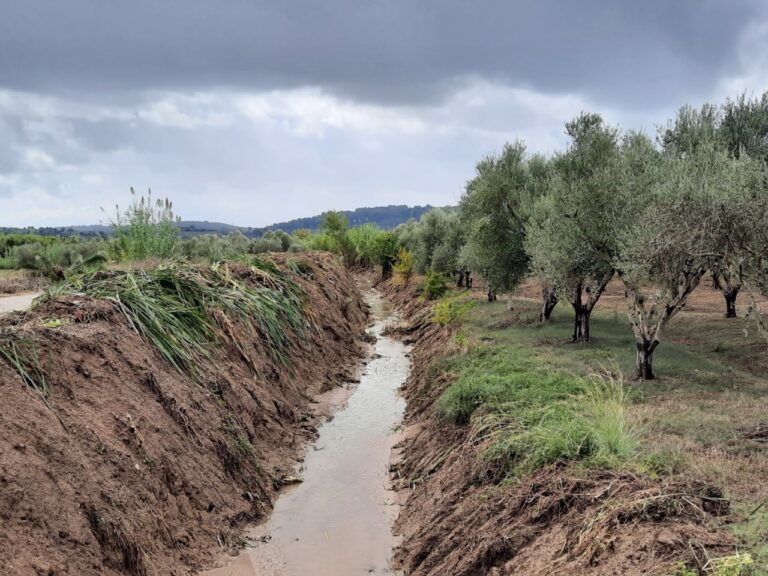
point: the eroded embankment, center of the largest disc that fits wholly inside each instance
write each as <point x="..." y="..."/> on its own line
<point x="126" y="466"/>
<point x="459" y="519"/>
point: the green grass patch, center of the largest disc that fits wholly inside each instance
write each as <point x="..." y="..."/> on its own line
<point x="752" y="531"/>
<point x="532" y="415"/>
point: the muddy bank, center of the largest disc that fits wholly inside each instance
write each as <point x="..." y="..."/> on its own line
<point x="459" y="519"/>
<point x="17" y="281"/>
<point x="128" y="467"/>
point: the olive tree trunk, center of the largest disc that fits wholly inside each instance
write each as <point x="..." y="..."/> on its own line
<point x="648" y="316"/>
<point x="644" y="359"/>
<point x="581" y="324"/>
<point x="729" y="283"/>
<point x="549" y="301"/>
<point x="583" y="310"/>
<point x="730" y="303"/>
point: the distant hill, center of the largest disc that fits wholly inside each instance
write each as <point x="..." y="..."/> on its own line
<point x="386" y="217"/>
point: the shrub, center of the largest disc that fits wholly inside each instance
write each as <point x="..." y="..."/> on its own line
<point x="59" y="259"/>
<point x="435" y="285"/>
<point x="385" y="250"/>
<point x="452" y="311"/>
<point x="403" y="266"/>
<point x="264" y="244"/>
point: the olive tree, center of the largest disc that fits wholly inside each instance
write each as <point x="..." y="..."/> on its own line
<point x="435" y="240"/>
<point x="692" y="128"/>
<point x="740" y="127"/>
<point x="678" y="206"/>
<point x="744" y="126"/>
<point x="743" y="130"/>
<point x="493" y="210"/>
<point x="569" y="235"/>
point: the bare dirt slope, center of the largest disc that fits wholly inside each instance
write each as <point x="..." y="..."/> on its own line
<point x="460" y="520"/>
<point x="131" y="468"/>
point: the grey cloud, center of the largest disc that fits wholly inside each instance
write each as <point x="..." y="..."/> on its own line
<point x="396" y="51"/>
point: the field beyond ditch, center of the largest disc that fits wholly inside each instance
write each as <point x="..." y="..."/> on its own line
<point x="532" y="455"/>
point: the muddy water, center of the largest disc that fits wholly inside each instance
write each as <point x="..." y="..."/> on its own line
<point x="338" y="521"/>
<point x="17" y="302"/>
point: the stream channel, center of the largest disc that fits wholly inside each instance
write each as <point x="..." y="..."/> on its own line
<point x="338" y="521"/>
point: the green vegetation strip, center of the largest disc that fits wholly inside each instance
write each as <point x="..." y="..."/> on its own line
<point x="181" y="309"/>
<point x="531" y="416"/>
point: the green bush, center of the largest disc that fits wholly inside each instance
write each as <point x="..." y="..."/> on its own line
<point x="385" y="248"/>
<point x="60" y="258"/>
<point x="265" y="244"/>
<point x="452" y="311"/>
<point x="435" y="285"/>
<point x="403" y="266"/>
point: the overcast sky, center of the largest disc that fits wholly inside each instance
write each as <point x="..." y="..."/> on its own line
<point x="251" y="112"/>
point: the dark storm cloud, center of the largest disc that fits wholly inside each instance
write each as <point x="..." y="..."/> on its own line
<point x="644" y="53"/>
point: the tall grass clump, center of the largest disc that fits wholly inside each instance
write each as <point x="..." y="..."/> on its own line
<point x="606" y="408"/>
<point x="182" y="310"/>
<point x="21" y="354"/>
<point x="364" y="241"/>
<point x="146" y="229"/>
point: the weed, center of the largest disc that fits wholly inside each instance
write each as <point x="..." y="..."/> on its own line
<point x="606" y="402"/>
<point x="239" y="441"/>
<point x="21" y="355"/>
<point x="682" y="570"/>
<point x="752" y="531"/>
<point x="736" y="565"/>
<point x="665" y="461"/>
<point x="300" y="268"/>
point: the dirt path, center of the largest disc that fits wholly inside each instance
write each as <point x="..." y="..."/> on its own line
<point x="17" y="302"/>
<point x="338" y="521"/>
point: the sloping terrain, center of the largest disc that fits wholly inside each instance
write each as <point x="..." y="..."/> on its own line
<point x="122" y="465"/>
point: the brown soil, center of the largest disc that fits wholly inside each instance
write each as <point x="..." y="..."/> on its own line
<point x="131" y="468"/>
<point x="457" y="519"/>
<point x="13" y="281"/>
